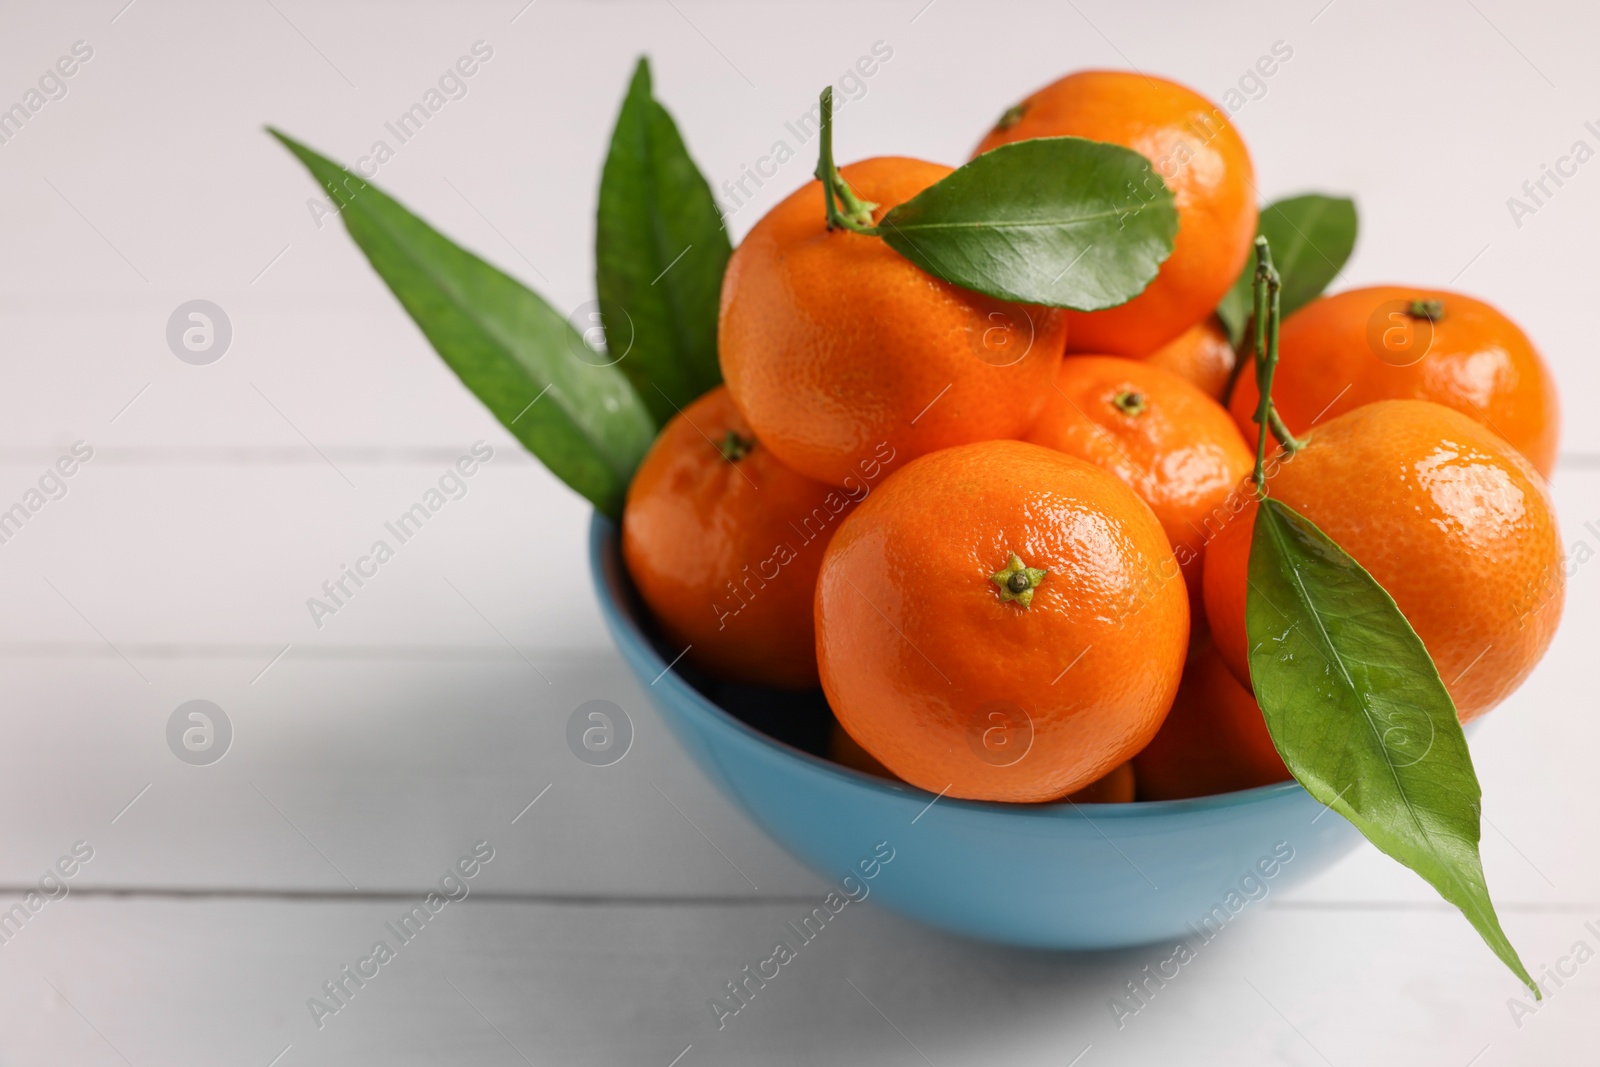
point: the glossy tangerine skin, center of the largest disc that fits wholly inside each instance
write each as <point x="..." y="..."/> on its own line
<point x="834" y="344"/>
<point x="1194" y="149"/>
<point x="916" y="645"/>
<point x="1202" y="356"/>
<point x="1116" y="787"/>
<point x="1447" y="517"/>
<point x="1214" y="739"/>
<point x="1478" y="363"/>
<point x="1182" y="454"/>
<point x="694" y="522"/>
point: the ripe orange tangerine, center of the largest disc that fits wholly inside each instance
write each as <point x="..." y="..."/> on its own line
<point x="1450" y="519"/>
<point x="724" y="543"/>
<point x="1391" y="342"/>
<point x="1195" y="150"/>
<point x="836" y="347"/>
<point x="1000" y="621"/>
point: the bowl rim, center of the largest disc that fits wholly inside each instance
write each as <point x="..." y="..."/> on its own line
<point x="605" y="541"/>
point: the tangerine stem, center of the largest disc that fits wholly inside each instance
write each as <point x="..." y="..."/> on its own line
<point x="735" y="446"/>
<point x="857" y="213"/>
<point x="1267" y="309"/>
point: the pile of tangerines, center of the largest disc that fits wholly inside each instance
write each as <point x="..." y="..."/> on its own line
<point x="1010" y="542"/>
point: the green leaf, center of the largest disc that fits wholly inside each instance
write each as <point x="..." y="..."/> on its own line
<point x="1059" y="221"/>
<point x="660" y="251"/>
<point x="1312" y="237"/>
<point x="1359" y="714"/>
<point x="516" y="353"/>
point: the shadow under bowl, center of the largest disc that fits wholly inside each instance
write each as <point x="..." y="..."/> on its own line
<point x="1060" y="876"/>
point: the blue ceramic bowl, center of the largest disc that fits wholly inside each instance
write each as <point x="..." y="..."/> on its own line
<point x="1040" y="875"/>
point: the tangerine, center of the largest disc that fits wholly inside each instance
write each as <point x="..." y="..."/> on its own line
<point x="1173" y="445"/>
<point x="724" y="543"/>
<point x="999" y="621"/>
<point x="1444" y="514"/>
<point x="1197" y="152"/>
<point x="1391" y="342"/>
<point x="836" y="347"/>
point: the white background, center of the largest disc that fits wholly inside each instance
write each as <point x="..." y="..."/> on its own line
<point x="376" y="750"/>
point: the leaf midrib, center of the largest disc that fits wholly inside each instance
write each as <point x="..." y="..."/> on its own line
<point x="1296" y="251"/>
<point x="923" y="227"/>
<point x="659" y="240"/>
<point x="1447" y="869"/>
<point x="490" y="329"/>
<point x="1338" y="660"/>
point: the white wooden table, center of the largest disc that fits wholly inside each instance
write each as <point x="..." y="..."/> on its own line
<point x="429" y="714"/>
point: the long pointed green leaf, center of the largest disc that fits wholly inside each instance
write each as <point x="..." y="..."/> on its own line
<point x="1356" y="708"/>
<point x="1312" y="237"/>
<point x="1059" y="221"/>
<point x="660" y="252"/>
<point x="516" y="353"/>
